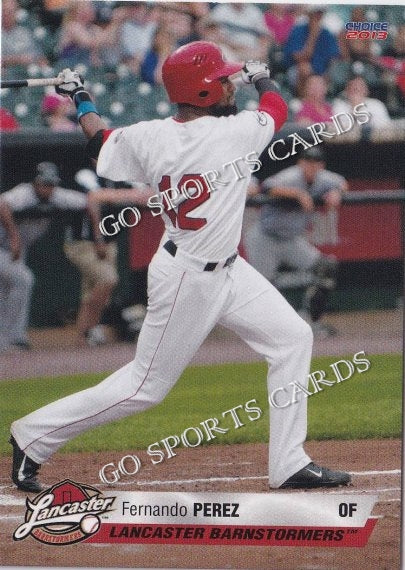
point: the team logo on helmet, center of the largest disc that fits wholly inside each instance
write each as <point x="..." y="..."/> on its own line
<point x="199" y="58"/>
<point x="66" y="513"/>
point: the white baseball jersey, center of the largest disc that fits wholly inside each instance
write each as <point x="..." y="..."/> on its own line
<point x="187" y="156"/>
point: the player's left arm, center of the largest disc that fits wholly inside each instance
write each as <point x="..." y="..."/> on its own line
<point x="271" y="101"/>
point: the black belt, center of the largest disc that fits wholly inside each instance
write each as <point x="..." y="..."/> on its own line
<point x="171" y="247"/>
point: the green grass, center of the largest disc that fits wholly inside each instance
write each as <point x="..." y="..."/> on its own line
<point x="367" y="405"/>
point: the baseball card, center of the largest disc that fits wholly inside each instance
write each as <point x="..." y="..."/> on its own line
<point x="201" y="285"/>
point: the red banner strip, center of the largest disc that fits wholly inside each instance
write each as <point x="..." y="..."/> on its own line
<point x="234" y="535"/>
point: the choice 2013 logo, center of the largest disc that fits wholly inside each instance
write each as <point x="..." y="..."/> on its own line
<point x="66" y="513"/>
<point x="366" y="30"/>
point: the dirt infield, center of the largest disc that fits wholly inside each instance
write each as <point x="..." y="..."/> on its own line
<point x="237" y="468"/>
<point x="54" y="353"/>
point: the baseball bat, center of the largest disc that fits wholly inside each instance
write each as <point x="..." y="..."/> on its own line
<point x="42" y="82"/>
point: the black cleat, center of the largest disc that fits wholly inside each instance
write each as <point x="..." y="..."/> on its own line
<point x="25" y="470"/>
<point x="313" y="476"/>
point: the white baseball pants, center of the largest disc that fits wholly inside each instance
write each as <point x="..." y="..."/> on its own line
<point x="185" y="303"/>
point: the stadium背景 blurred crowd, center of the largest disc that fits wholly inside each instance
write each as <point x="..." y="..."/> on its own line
<point x="119" y="48"/>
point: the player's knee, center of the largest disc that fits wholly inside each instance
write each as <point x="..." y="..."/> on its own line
<point x="153" y="391"/>
<point x="303" y="334"/>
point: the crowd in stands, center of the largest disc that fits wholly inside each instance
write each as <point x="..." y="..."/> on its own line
<point x="120" y="47"/>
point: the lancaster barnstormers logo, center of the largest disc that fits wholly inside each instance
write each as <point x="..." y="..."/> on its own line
<point x="66" y="513"/>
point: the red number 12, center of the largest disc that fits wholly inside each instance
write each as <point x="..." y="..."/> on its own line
<point x="189" y="182"/>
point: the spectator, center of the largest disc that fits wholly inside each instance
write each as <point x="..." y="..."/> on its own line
<point x="355" y="49"/>
<point x="356" y="92"/>
<point x="34" y="203"/>
<point x="7" y="121"/>
<point x="55" y="111"/>
<point x="80" y="39"/>
<point x="357" y="57"/>
<point x="108" y="56"/>
<point x="310" y="48"/>
<point x="196" y="9"/>
<point x="279" y="19"/>
<point x="51" y="13"/>
<point x="393" y="61"/>
<point x="18" y="45"/>
<point x="315" y="108"/>
<point x="96" y="259"/>
<point x="244" y="29"/>
<point x="180" y="23"/>
<point x="397" y="49"/>
<point x="211" y="31"/>
<point x="136" y="34"/>
<point x="279" y="236"/>
<point x="163" y="44"/>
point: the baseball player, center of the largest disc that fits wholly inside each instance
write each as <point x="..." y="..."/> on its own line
<point x="202" y="157"/>
<point x="87" y="250"/>
<point x="278" y="237"/>
<point x="33" y="204"/>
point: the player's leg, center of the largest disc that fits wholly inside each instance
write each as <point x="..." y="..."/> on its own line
<point x="183" y="307"/>
<point x="16" y="286"/>
<point x="261" y="316"/>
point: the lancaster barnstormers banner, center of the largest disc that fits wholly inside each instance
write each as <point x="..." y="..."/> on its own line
<point x="72" y="512"/>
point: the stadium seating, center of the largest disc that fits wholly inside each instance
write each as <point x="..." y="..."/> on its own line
<point x="123" y="98"/>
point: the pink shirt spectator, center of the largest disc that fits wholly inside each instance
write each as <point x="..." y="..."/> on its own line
<point x="279" y="22"/>
<point x="314" y="114"/>
<point x="7" y="121"/>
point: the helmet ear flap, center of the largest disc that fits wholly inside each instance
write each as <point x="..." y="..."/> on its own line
<point x="210" y="94"/>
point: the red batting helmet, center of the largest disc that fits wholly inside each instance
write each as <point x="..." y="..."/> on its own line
<point x="191" y="74"/>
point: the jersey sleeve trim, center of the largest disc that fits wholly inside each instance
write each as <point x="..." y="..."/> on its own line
<point x="96" y="142"/>
<point x="273" y="104"/>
